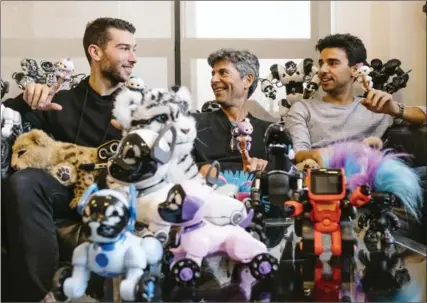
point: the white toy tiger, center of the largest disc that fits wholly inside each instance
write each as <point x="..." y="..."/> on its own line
<point x="137" y="107"/>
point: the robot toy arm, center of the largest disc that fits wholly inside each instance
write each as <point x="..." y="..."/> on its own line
<point x="393" y="220"/>
<point x="9" y="119"/>
<point x="360" y="196"/>
<point x="293" y="208"/>
<point x="363" y="220"/>
<point x="75" y="286"/>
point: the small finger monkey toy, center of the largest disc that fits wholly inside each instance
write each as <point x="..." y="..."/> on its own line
<point x="112" y="250"/>
<point x="241" y="139"/>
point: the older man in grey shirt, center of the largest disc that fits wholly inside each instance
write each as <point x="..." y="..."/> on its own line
<point x="315" y="124"/>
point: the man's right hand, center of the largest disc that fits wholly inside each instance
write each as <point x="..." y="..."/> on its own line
<point x="39" y="96"/>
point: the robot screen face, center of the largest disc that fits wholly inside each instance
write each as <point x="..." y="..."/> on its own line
<point x="328" y="182"/>
<point x="106" y="216"/>
<point x="133" y="162"/>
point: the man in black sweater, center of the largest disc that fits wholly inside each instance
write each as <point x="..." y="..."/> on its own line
<point x="234" y="79"/>
<point x="32" y="200"/>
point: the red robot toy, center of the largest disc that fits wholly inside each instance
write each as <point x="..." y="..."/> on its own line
<point x="330" y="208"/>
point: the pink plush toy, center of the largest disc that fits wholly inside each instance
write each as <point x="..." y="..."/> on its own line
<point x="198" y="238"/>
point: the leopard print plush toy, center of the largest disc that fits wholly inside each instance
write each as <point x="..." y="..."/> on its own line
<point x="69" y="163"/>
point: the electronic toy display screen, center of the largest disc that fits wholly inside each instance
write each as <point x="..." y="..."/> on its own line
<point x="326" y="182"/>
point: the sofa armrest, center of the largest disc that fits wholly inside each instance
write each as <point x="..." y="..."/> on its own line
<point x="408" y="139"/>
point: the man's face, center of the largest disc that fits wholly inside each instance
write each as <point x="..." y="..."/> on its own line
<point x="118" y="56"/>
<point x="227" y="84"/>
<point x="334" y="73"/>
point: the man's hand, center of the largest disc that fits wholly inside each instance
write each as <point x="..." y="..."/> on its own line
<point x="116" y="124"/>
<point x="379" y="101"/>
<point x="254" y="164"/>
<point x="39" y="96"/>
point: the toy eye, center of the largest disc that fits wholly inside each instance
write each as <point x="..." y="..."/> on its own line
<point x="161" y="118"/>
<point x="21" y="152"/>
<point x="130" y="153"/>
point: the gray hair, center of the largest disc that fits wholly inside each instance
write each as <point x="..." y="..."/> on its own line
<point x="245" y="62"/>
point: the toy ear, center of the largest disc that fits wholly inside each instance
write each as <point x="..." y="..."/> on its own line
<point x="85" y="198"/>
<point x="157" y="152"/>
<point x="212" y="180"/>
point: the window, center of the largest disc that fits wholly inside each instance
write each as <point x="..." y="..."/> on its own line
<point x="281" y="29"/>
<point x="219" y="19"/>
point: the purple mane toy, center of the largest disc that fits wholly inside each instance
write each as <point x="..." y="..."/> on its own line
<point x="382" y="170"/>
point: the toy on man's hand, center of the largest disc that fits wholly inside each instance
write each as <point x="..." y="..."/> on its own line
<point x="327" y="198"/>
<point x="242" y="141"/>
<point x="112" y="250"/>
<point x="185" y="207"/>
<point x="64" y="70"/>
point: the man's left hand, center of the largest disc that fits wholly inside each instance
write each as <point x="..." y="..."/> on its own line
<point x="379" y="101"/>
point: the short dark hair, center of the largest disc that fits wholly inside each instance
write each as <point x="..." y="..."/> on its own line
<point x="97" y="32"/>
<point x="245" y="62"/>
<point x="353" y="46"/>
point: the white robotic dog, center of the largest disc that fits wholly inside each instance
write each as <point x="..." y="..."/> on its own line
<point x="143" y="159"/>
<point x="113" y="250"/>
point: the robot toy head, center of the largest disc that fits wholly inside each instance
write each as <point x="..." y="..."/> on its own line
<point x="326" y="185"/>
<point x="276" y="138"/>
<point x="181" y="207"/>
<point x="210" y="106"/>
<point x="142" y="157"/>
<point x="106" y="212"/>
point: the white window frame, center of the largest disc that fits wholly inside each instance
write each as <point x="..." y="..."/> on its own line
<point x="196" y="48"/>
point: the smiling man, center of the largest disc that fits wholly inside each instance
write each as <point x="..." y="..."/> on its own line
<point x="315" y="124"/>
<point x="32" y="200"/>
<point x="234" y="79"/>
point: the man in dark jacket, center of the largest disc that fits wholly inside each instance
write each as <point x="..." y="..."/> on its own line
<point x="234" y="79"/>
<point x="32" y="200"/>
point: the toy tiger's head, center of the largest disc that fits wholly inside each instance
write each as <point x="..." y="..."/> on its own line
<point x="33" y="149"/>
<point x="153" y="109"/>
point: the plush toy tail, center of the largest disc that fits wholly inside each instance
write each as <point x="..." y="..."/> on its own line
<point x="395" y="176"/>
<point x="348" y="155"/>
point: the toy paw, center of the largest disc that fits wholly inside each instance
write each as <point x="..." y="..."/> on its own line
<point x="128" y="290"/>
<point x="373" y="142"/>
<point x="74" y="288"/>
<point x="309" y="163"/>
<point x="63" y="174"/>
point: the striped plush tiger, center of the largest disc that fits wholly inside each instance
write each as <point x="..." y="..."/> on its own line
<point x="152" y="109"/>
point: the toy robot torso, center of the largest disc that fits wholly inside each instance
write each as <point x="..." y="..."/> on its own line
<point x="326" y="216"/>
<point x="108" y="259"/>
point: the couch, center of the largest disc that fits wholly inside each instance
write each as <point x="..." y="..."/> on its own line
<point x="407" y="139"/>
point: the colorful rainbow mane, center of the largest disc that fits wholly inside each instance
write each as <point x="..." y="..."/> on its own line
<point x="383" y="170"/>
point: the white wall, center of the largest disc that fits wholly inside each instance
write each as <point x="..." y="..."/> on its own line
<point x="389" y="29"/>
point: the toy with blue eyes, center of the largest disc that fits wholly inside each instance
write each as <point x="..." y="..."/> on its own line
<point x="113" y="250"/>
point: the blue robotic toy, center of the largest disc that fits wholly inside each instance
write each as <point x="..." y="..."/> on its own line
<point x="113" y="249"/>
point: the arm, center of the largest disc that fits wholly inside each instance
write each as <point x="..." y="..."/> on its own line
<point x="296" y="123"/>
<point x="411" y="114"/>
<point x="37" y="118"/>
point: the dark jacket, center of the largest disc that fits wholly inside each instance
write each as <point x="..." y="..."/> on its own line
<point x="213" y="140"/>
<point x="84" y="118"/>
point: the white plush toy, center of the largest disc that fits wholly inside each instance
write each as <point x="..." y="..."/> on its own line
<point x="363" y="70"/>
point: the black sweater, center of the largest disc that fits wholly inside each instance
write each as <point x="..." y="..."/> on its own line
<point x="84" y="118"/>
<point x="213" y="140"/>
